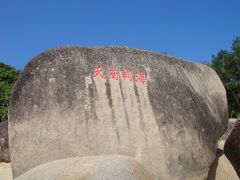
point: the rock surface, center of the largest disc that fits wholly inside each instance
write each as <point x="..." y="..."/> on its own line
<point x="4" y="147"/>
<point x="232" y="147"/>
<point x="112" y="167"/>
<point x="222" y="169"/>
<point x="83" y="101"/>
<point x="224" y="137"/>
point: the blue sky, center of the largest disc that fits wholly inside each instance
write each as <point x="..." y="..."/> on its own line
<point x="188" y="29"/>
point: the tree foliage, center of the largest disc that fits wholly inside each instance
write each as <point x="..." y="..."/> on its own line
<point x="8" y="76"/>
<point x="227" y="65"/>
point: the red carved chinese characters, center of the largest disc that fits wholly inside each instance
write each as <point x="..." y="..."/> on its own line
<point x="113" y="74"/>
<point x="98" y="72"/>
<point x="141" y="78"/>
<point x="125" y="75"/>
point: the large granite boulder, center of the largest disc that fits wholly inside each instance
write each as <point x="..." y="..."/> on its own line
<point x="4" y="147"/>
<point x="112" y="167"/>
<point x="83" y="101"/>
<point x="232" y="147"/>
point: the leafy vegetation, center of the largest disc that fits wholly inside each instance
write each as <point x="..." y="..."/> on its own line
<point x="227" y="65"/>
<point x="8" y="76"/>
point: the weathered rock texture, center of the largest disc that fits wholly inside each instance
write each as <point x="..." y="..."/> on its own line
<point x="61" y="107"/>
<point x="4" y="147"/>
<point x="224" y="137"/>
<point x="221" y="168"/>
<point x="112" y="167"/>
<point x="232" y="147"/>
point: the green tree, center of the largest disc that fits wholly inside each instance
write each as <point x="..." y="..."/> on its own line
<point x="227" y="65"/>
<point x="8" y="76"/>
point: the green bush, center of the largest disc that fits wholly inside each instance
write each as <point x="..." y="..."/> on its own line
<point x="227" y="65"/>
<point x="8" y="77"/>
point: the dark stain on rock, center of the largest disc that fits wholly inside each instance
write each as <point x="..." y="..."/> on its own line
<point x="109" y="93"/>
<point x="118" y="137"/>
<point x="139" y="106"/>
<point x="87" y="119"/>
<point x="124" y="106"/>
<point x="121" y="89"/>
<point x="109" y="96"/>
<point x="93" y="96"/>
